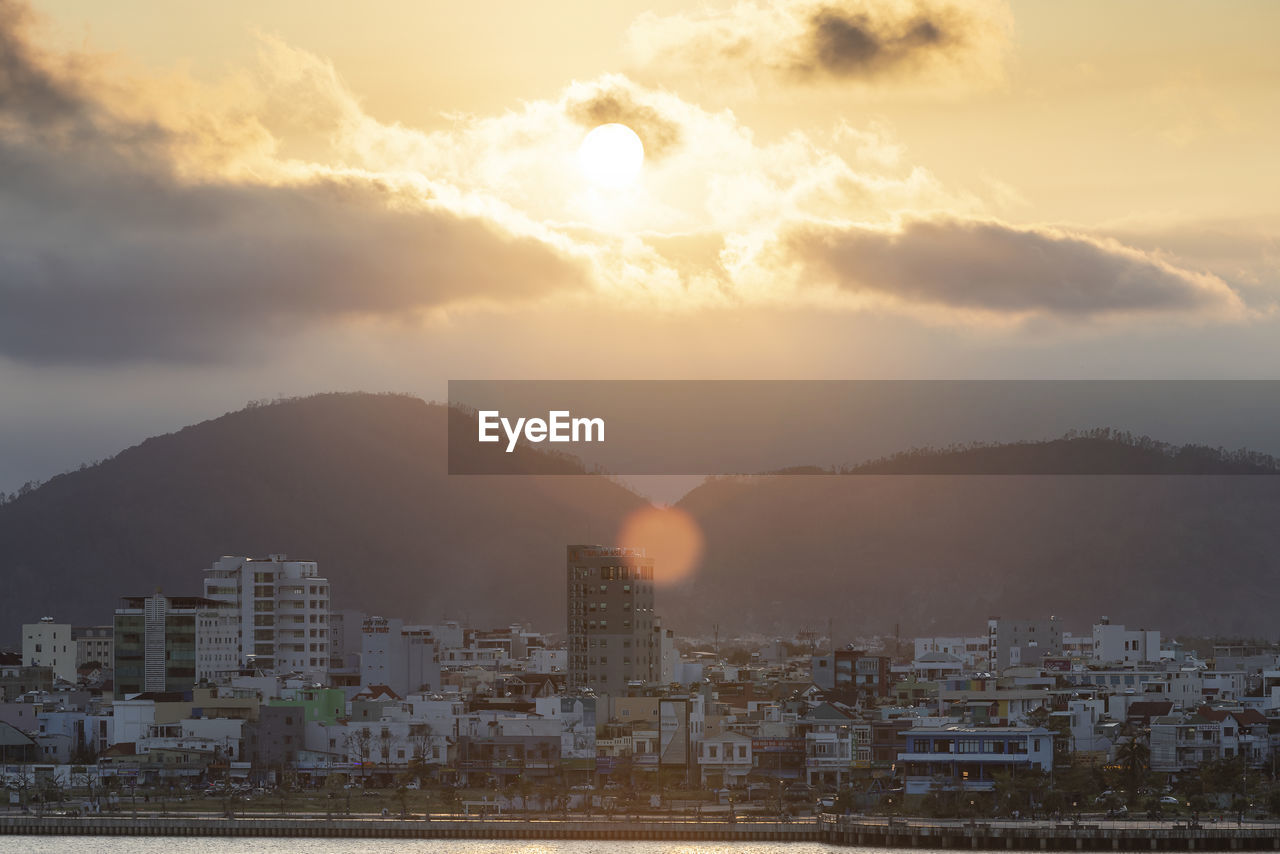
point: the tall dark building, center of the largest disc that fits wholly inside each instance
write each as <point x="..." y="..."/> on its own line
<point x="609" y="591"/>
<point x="169" y="643"/>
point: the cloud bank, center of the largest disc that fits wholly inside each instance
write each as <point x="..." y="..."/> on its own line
<point x="107" y="252"/>
<point x="992" y="267"/>
<point x="157" y="219"/>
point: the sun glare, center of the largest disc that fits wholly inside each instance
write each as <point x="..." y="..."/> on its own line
<point x="611" y="156"/>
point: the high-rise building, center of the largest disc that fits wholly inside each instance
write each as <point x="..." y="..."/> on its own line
<point x="49" y="644"/>
<point x="170" y="643"/>
<point x="610" y="619"/>
<point x="282" y="611"/>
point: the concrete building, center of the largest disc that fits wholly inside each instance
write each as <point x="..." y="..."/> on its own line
<point x="852" y="673"/>
<point x="1014" y="642"/>
<point x="272" y="742"/>
<point x="969" y="758"/>
<point x="282" y="608"/>
<point x="403" y="658"/>
<point x="164" y="643"/>
<point x="345" y="643"/>
<point x="829" y="740"/>
<point x="1077" y="646"/>
<point x="49" y="644"/>
<point x="725" y="760"/>
<point x="1251" y="658"/>
<point x="668" y="656"/>
<point x="974" y="652"/>
<point x="610" y="619"/>
<point x="1117" y="645"/>
<point x="94" y="643"/>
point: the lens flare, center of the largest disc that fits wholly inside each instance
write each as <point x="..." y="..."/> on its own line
<point x="667" y="534"/>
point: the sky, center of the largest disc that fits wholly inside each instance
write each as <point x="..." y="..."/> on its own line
<point x="207" y="204"/>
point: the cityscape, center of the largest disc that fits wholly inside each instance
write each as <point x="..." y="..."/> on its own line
<point x="257" y="692"/>
<point x="654" y="426"/>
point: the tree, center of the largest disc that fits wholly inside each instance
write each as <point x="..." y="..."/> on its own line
<point x="386" y="742"/>
<point x="360" y="745"/>
<point x="1023" y="790"/>
<point x="420" y="735"/>
<point x="1079" y="783"/>
<point x="1135" y="760"/>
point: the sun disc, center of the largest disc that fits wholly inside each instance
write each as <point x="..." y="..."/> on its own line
<point x="611" y="156"/>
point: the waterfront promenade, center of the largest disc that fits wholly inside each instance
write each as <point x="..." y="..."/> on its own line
<point x="842" y="831"/>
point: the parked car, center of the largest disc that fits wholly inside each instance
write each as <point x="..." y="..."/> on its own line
<point x="1170" y="800"/>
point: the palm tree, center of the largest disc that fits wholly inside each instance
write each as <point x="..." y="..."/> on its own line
<point x="1134" y="757"/>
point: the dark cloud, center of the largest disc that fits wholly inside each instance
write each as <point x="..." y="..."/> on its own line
<point x="809" y="41"/>
<point x="659" y="134"/>
<point x="29" y="91"/>
<point x="846" y="44"/>
<point x="106" y="255"/>
<point x="994" y="267"/>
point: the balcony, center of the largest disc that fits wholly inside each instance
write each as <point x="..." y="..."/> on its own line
<point x="491" y="764"/>
<point x="919" y="785"/>
<point x="967" y="758"/>
<point x="827" y="763"/>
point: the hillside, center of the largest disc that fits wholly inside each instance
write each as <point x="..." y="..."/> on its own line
<point x="358" y="482"/>
<point x="1099" y="451"/>
<point x="939" y="553"/>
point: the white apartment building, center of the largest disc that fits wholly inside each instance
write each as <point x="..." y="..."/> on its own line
<point x="282" y="608"/>
<point x="973" y="652"/>
<point x="1077" y="646"/>
<point x="1118" y="645"/>
<point x="404" y="658"/>
<point x="49" y="644"/>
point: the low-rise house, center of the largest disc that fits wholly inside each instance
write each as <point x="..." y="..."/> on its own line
<point x="829" y="738"/>
<point x="969" y="758"/>
<point x="724" y="760"/>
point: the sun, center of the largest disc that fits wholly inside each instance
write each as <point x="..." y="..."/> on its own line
<point x="611" y="156"/>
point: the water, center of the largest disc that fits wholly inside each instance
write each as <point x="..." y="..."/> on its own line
<point x="186" y="845"/>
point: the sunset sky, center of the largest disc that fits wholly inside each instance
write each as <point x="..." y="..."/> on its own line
<point x="206" y="204"/>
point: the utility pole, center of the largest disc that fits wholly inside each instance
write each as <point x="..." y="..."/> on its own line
<point x="715" y="627"/>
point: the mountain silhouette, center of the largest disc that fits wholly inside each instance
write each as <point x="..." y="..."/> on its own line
<point x="360" y="483"/>
<point x="357" y="482"/>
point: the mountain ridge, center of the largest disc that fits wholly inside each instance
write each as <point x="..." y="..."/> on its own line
<point x="359" y="483"/>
